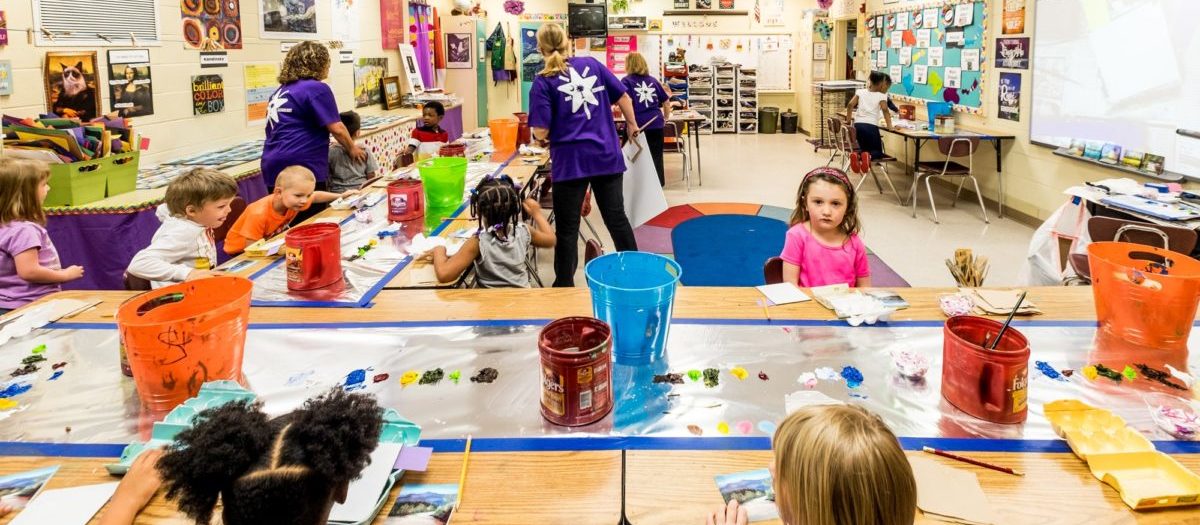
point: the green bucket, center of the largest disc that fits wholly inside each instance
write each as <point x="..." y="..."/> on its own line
<point x="444" y="179"/>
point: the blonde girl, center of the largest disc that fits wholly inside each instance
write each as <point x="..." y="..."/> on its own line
<point x="651" y="103"/>
<point x="29" y="265"/>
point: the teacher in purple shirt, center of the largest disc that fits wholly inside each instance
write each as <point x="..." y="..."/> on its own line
<point x="570" y="107"/>
<point x="301" y="115"/>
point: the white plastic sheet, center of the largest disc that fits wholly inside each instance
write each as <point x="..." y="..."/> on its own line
<point x="644" y="198"/>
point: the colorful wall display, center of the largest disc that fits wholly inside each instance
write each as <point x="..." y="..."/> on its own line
<point x="367" y="74"/>
<point x="211" y="25"/>
<point x="6" y="83"/>
<point x="3" y="29"/>
<point x="1012" y="53"/>
<point x="934" y="52"/>
<point x="208" y="94"/>
<point x="1014" y="17"/>
<point x="391" y="23"/>
<point x="130" y="91"/>
<point x="344" y="21"/>
<point x="287" y="19"/>
<point x="1009" y="96"/>
<point x="261" y="82"/>
<point x="619" y="48"/>
<point x="71" y="85"/>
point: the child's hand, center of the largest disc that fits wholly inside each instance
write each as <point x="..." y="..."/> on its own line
<point x="203" y="274"/>
<point x="73" y="272"/>
<point x="732" y="514"/>
<point x="348" y="193"/>
<point x="357" y="154"/>
<point x="142" y="481"/>
<point x="531" y="207"/>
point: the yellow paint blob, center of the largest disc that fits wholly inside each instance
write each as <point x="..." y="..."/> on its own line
<point x="7" y="404"/>
<point x="723" y="428"/>
<point x="739" y="372"/>
<point x="1089" y="372"/>
<point x="409" y="377"/>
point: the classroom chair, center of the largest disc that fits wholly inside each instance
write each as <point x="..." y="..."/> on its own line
<point x="134" y="283"/>
<point x="1174" y="238"/>
<point x="773" y="270"/>
<point x="842" y="144"/>
<point x="878" y="165"/>
<point x="952" y="148"/>
<point x="675" y="142"/>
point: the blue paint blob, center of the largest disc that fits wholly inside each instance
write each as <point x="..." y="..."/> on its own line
<point x="857" y="395"/>
<point x="15" y="389"/>
<point x="853" y="377"/>
<point x="766" y="427"/>
<point x="355" y="380"/>
<point x="57" y="374"/>
<point x="1049" y="371"/>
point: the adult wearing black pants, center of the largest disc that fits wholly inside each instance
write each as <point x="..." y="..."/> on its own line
<point x="570" y="107"/>
<point x="651" y="104"/>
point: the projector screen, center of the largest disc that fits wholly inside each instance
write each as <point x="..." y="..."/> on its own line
<point x="1125" y="72"/>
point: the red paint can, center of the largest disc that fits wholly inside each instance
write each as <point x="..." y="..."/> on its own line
<point x="405" y="200"/>
<point x="990" y="384"/>
<point x="314" y="256"/>
<point x="576" y="370"/>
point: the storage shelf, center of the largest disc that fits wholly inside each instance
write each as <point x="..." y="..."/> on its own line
<point x="1167" y="176"/>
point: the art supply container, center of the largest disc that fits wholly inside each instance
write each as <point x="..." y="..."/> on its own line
<point x="504" y="134"/>
<point x="634" y="292"/>
<point x="314" y="256"/>
<point x="933" y="109"/>
<point x="523" y="136"/>
<point x="576" y="370"/>
<point x="453" y="150"/>
<point x="908" y="112"/>
<point x="990" y="384"/>
<point x="180" y="336"/>
<point x="444" y="179"/>
<point x="406" y="200"/>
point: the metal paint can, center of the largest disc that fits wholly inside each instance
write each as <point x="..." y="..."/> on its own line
<point x="576" y="360"/>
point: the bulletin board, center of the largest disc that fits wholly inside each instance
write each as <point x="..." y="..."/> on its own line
<point x="771" y="54"/>
<point x="906" y="44"/>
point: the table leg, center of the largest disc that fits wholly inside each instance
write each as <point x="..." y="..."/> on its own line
<point x="699" y="165"/>
<point x="999" y="177"/>
<point x="912" y="192"/>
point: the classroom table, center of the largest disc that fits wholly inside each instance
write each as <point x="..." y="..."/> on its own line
<point x="692" y="119"/>
<point x="921" y="136"/>
<point x="564" y="484"/>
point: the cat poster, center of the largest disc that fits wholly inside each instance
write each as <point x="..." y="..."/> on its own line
<point x="71" y="85"/>
<point x="130" y="93"/>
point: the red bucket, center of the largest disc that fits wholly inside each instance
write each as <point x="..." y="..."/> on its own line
<point x="314" y="256"/>
<point x="405" y="200"/>
<point x="991" y="385"/>
<point x="576" y="370"/>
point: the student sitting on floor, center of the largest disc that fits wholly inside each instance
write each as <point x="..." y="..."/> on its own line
<point x="836" y="465"/>
<point x="291" y="469"/>
<point x="429" y="131"/>
<point x="344" y="173"/>
<point x="183" y="248"/>
<point x="271" y="215"/>
<point x="865" y="110"/>
<point x="29" y="265"/>
<point x="822" y="245"/>
<point x="500" y="248"/>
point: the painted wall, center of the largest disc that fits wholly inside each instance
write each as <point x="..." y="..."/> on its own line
<point x="172" y="129"/>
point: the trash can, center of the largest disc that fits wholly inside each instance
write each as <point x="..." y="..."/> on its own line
<point x="768" y="119"/>
<point x="789" y="121"/>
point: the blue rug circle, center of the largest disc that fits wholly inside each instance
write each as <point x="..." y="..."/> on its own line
<point x="726" y="250"/>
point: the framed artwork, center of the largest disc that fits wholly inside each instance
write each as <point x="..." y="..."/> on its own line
<point x="211" y="26"/>
<point x="391" y="92"/>
<point x="130" y="93"/>
<point x="412" y="75"/>
<point x="71" y="84"/>
<point x="368" y="74"/>
<point x="1012" y="53"/>
<point x="288" y="19"/>
<point x="458" y="50"/>
<point x="820" y="51"/>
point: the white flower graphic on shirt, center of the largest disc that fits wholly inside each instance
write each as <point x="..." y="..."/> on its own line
<point x="273" y="106"/>
<point x="581" y="91"/>
<point x="645" y="94"/>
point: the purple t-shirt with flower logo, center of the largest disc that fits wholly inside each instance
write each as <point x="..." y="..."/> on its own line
<point x="648" y="97"/>
<point x="298" y="116"/>
<point x="576" y="107"/>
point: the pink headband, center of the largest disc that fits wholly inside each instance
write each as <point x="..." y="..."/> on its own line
<point x="830" y="172"/>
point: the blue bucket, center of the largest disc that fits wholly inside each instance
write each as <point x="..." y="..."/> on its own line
<point x="937" y="108"/>
<point x="634" y="293"/>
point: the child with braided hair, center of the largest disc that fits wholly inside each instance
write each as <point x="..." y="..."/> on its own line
<point x="500" y="248"/>
<point x="288" y="470"/>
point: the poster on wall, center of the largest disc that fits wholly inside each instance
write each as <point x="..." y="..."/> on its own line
<point x="71" y="85"/>
<point x="367" y="74"/>
<point x="6" y="85"/>
<point x="1012" y="53"/>
<point x="458" y="50"/>
<point x="681" y="4"/>
<point x="726" y="4"/>
<point x="130" y="93"/>
<point x="344" y="21"/>
<point x="1010" y="96"/>
<point x="772" y="13"/>
<point x="208" y="94"/>
<point x="703" y="4"/>
<point x="391" y="23"/>
<point x="619" y="48"/>
<point x="412" y="71"/>
<point x="287" y="19"/>
<point x="532" y="61"/>
<point x="3" y="29"/>
<point x="211" y="25"/>
<point x="1014" y="17"/>
<point x="261" y="82"/>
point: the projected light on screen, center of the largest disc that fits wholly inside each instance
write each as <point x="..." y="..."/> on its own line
<point x="1119" y="71"/>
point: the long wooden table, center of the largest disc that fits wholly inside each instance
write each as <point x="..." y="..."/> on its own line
<point x="663" y="487"/>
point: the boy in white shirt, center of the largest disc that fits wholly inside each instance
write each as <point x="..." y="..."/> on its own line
<point x="865" y="110"/>
<point x="183" y="248"/>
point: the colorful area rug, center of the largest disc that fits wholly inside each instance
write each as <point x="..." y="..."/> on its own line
<point x="655" y="235"/>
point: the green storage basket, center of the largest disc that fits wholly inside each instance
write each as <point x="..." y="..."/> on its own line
<point x="121" y="176"/>
<point x="80" y="183"/>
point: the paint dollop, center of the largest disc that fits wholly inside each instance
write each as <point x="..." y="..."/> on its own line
<point x="409" y="377"/>
<point x="432" y="377"/>
<point x="7" y="404"/>
<point x="825" y="373"/>
<point x="355" y="380"/>
<point x="695" y="430"/>
<point x="379" y="378"/>
<point x="486" y="375"/>
<point x="15" y="389"/>
<point x="455" y="376"/>
<point x="766" y="427"/>
<point x="763" y="376"/>
<point x="1048" y="371"/>
<point x="694" y="375"/>
<point x="39" y="349"/>
<point x="723" y="428"/>
<point x="1089" y="372"/>
<point x="739" y="372"/>
<point x="57" y="374"/>
<point x="808" y="379"/>
<point x="744" y="427"/>
<point x="853" y="377"/>
<point x="712" y="377"/>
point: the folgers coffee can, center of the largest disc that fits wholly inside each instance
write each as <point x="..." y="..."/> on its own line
<point x="576" y="356"/>
<point x="988" y="383"/>
<point x="405" y="200"/>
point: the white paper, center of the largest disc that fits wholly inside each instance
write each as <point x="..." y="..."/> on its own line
<point x="897" y="39"/>
<point x="905" y="56"/>
<point x="73" y="506"/>
<point x="881" y="61"/>
<point x="923" y="38"/>
<point x="365" y="491"/>
<point x="929" y="18"/>
<point x="953" y="77"/>
<point x="783" y="293"/>
<point x="963" y="14"/>
<point x="785" y="43"/>
<point x="935" y="56"/>
<point x="956" y="38"/>
<point x="644" y="198"/>
<point x="970" y="60"/>
<point x="920" y="73"/>
<point x="896" y="73"/>
<point x="876" y="44"/>
<point x="901" y="21"/>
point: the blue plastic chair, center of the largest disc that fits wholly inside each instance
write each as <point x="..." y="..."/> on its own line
<point x="726" y="250"/>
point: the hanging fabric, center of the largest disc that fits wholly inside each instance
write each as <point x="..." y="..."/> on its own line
<point x="439" y="55"/>
<point x="496" y="46"/>
<point x="419" y="35"/>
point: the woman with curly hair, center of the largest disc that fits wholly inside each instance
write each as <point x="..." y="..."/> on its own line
<point x="301" y="115"/>
<point x="289" y="470"/>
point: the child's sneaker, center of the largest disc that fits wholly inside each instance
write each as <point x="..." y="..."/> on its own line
<point x="854" y="162"/>
<point x="864" y="162"/>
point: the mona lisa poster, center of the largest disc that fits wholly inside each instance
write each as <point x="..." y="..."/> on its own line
<point x="130" y="92"/>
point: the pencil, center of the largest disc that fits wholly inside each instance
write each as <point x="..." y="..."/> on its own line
<point x="975" y="462"/>
<point x="462" y="478"/>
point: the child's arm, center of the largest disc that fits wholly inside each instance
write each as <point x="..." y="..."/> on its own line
<point x="862" y="267"/>
<point x="887" y="113"/>
<point x="449" y="268"/>
<point x="322" y="197"/>
<point x="791" y="273"/>
<point x="153" y="262"/>
<point x="29" y="269"/>
<point x="863" y="282"/>
<point x="542" y="235"/>
<point x="136" y="489"/>
<point x="850" y="107"/>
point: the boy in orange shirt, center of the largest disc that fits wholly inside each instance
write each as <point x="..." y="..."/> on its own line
<point x="269" y="216"/>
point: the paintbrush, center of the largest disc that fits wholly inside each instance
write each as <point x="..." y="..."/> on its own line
<point x="975" y="462"/>
<point x="1008" y="321"/>
<point x="624" y="518"/>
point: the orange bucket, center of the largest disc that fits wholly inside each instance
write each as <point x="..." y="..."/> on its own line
<point x="504" y="134"/>
<point x="179" y="337"/>
<point x="1146" y="300"/>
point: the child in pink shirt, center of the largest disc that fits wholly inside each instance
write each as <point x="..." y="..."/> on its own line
<point x="822" y="246"/>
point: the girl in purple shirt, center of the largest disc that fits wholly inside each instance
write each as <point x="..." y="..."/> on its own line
<point x="570" y="107"/>
<point x="29" y="265"/>
<point x="651" y="103"/>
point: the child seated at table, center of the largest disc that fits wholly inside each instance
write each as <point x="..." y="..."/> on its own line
<point x="291" y="469"/>
<point x="500" y="248"/>
<point x="865" y="110"/>
<point x="836" y="465"/>
<point x="29" y="265"/>
<point x="183" y="248"/>
<point x="822" y="245"/>
<point x="344" y="173"/>
<point x="295" y="191"/>
<point x="429" y="130"/>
